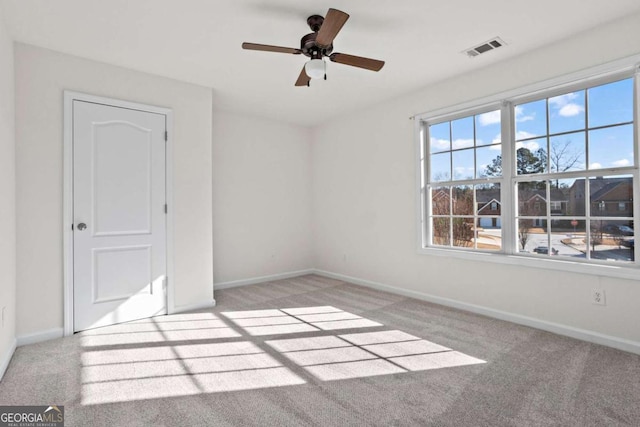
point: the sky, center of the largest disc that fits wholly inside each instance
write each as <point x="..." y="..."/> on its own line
<point x="576" y="116"/>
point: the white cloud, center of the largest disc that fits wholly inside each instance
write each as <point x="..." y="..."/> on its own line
<point x="522" y="134"/>
<point x="562" y="100"/>
<point x="529" y="145"/>
<point x="621" y="163"/>
<point x="440" y="144"/>
<point x="595" y="166"/>
<point x="565" y="106"/>
<point x="571" y="110"/>
<point x="462" y="172"/>
<point x="522" y="117"/>
<point x="462" y="143"/>
<point x="490" y="118"/>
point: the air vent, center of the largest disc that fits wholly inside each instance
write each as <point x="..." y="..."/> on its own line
<point x="484" y="47"/>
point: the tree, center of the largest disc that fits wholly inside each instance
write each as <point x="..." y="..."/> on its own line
<point x="524" y="230"/>
<point x="527" y="162"/>
<point x="563" y="156"/>
<point x="460" y="201"/>
<point x="597" y="234"/>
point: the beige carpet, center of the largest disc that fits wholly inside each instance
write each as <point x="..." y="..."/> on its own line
<point x="315" y="351"/>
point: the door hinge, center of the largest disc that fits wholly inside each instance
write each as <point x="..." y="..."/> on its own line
<point x="166" y="136"/>
<point x="166" y="208"/>
<point x="71" y="227"/>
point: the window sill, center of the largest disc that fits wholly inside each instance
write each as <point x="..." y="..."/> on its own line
<point x="617" y="271"/>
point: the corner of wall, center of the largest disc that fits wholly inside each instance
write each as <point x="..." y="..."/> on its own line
<point x="7" y="200"/>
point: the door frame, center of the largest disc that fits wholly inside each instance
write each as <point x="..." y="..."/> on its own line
<point x="67" y="193"/>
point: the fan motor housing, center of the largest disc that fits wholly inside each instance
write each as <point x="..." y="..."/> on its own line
<point x="309" y="47"/>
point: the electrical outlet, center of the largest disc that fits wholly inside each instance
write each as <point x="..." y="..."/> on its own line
<point x="598" y="297"/>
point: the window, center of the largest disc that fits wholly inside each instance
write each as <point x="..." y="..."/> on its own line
<point x="464" y="172"/>
<point x="563" y="161"/>
<point x="556" y="206"/>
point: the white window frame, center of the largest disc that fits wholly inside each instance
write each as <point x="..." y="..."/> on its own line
<point x="617" y="70"/>
<point x="555" y="205"/>
<point x="461" y="182"/>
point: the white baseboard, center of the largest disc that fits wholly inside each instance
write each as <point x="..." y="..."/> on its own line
<point x="197" y="306"/>
<point x="254" y="280"/>
<point x="6" y="358"/>
<point x="570" y="331"/>
<point x="36" y="337"/>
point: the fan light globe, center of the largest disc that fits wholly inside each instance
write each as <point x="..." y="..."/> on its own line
<point x="315" y="68"/>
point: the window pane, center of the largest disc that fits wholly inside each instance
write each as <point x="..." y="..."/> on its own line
<point x="561" y="203"/>
<point x="532" y="198"/>
<point x="462" y="199"/>
<point x="463" y="232"/>
<point x="463" y="164"/>
<point x="489" y="161"/>
<point x="525" y="235"/>
<point x="607" y="194"/>
<point x="441" y="167"/>
<point x="568" y="239"/>
<point x="567" y="152"/>
<point x="488" y="129"/>
<point x="611" y="147"/>
<point x="488" y="199"/>
<point x="566" y="112"/>
<point x="489" y="234"/>
<point x="462" y="133"/>
<point x="532" y="235"/>
<point x="441" y="201"/>
<point x="605" y="245"/>
<point x="531" y="119"/>
<point x="440" y="228"/>
<point x="531" y="157"/>
<point x="611" y="103"/>
<point x="439" y="137"/>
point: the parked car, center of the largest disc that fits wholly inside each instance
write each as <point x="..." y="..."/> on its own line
<point x="618" y="229"/>
<point x="545" y="250"/>
<point x="625" y="231"/>
<point x="628" y="243"/>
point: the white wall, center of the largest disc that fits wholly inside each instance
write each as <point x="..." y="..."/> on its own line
<point x="41" y="77"/>
<point x="364" y="184"/>
<point x="261" y="197"/>
<point x="7" y="200"/>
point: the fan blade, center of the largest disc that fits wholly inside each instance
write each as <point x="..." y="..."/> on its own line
<point x="269" y="48"/>
<point x="331" y="25"/>
<point x="357" y="61"/>
<point x="303" y="79"/>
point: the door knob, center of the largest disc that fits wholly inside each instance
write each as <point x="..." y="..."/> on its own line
<point x="82" y="226"/>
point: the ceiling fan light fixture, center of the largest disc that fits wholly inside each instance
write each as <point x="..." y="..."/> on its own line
<point x="315" y="68"/>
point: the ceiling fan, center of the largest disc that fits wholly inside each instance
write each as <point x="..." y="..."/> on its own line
<point x="318" y="45"/>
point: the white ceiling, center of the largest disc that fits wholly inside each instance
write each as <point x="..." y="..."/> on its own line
<point x="199" y="41"/>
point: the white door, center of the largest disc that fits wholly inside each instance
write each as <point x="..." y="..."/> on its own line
<point x="119" y="231"/>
